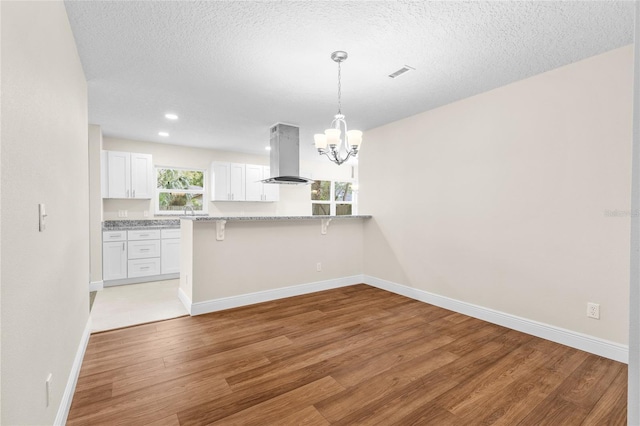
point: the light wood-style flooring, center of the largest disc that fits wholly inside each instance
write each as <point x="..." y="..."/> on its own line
<point x="351" y="356"/>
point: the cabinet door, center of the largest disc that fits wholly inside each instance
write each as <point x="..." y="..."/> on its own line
<point x="220" y="182"/>
<point x="118" y="174"/>
<point x="170" y="256"/>
<point x="141" y="176"/>
<point x="114" y="260"/>
<point x="271" y="191"/>
<point x="237" y="181"/>
<point x="253" y="184"/>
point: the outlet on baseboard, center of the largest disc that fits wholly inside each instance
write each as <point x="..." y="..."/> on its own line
<point x="593" y="310"/>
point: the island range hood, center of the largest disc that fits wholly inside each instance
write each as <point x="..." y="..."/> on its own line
<point x="285" y="156"/>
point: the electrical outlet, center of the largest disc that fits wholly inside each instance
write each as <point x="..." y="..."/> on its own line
<point x="125" y="213"/>
<point x="319" y="267"/>
<point x="47" y="385"/>
<point x="593" y="310"/>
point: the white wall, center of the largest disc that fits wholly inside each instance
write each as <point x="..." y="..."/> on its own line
<point x="633" y="389"/>
<point x="45" y="303"/>
<point x="95" y="202"/>
<point x="294" y="199"/>
<point x="499" y="200"/>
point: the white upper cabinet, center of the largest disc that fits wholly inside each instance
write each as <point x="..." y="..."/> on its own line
<point x="227" y="181"/>
<point x="118" y="174"/>
<point x="271" y="191"/>
<point x="127" y="175"/>
<point x="254" y="186"/>
<point x="141" y="176"/>
<point x="256" y="190"/>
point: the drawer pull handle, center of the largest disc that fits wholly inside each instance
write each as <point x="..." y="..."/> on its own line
<point x="144" y="235"/>
<point x="144" y="267"/>
<point x="143" y="249"/>
<point x="123" y="246"/>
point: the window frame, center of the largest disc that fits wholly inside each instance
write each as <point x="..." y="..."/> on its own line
<point x="158" y="191"/>
<point x="332" y="202"/>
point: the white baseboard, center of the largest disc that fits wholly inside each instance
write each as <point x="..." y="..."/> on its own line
<point x="584" y="342"/>
<point x="96" y="285"/>
<point x="205" y="307"/>
<point x="185" y="300"/>
<point x="67" y="397"/>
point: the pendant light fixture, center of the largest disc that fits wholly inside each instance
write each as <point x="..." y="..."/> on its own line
<point x="341" y="143"/>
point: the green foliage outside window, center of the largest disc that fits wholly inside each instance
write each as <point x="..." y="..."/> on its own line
<point x="343" y="191"/>
<point x="324" y="204"/>
<point x="321" y="190"/>
<point x="180" y="179"/>
<point x="179" y="189"/>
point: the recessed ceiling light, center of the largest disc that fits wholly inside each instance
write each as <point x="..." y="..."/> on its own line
<point x="165" y="134"/>
<point x="171" y="116"/>
<point x="268" y="148"/>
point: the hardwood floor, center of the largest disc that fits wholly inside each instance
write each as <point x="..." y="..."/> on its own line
<point x="350" y="356"/>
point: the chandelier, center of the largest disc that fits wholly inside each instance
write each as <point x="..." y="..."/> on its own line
<point x="342" y="143"/>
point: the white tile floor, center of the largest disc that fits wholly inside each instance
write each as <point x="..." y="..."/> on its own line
<point x="126" y="305"/>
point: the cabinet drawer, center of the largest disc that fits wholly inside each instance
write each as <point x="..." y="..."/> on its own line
<point x="152" y="234"/>
<point x="170" y="233"/>
<point x="144" y="267"/>
<point x="143" y="249"/>
<point x="114" y="236"/>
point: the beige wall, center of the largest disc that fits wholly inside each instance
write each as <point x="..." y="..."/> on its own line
<point x="499" y="200"/>
<point x="95" y="202"/>
<point x="259" y="256"/>
<point x="45" y="304"/>
<point x="294" y="199"/>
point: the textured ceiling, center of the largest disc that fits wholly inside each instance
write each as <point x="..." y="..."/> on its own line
<point x="231" y="69"/>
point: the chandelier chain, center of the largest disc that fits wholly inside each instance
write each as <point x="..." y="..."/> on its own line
<point x="339" y="90"/>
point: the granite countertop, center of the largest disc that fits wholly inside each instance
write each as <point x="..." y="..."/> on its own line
<point x="125" y="225"/>
<point x="262" y="218"/>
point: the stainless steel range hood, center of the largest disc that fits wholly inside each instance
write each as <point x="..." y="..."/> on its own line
<point x="285" y="156"/>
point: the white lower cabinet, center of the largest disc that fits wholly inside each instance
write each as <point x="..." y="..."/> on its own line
<point x="114" y="260"/>
<point x="170" y="259"/>
<point x="140" y="253"/>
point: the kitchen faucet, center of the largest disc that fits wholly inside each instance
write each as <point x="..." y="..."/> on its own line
<point x="189" y="207"/>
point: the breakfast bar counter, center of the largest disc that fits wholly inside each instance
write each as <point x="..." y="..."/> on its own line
<point x="226" y="262"/>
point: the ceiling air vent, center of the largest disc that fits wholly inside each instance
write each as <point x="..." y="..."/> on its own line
<point x="401" y="71"/>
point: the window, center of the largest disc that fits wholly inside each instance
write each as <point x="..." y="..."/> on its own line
<point x="332" y="198"/>
<point x="180" y="190"/>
